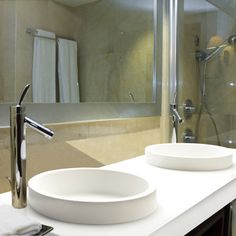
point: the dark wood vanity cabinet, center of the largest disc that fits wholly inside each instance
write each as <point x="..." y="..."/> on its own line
<point x="217" y="225"/>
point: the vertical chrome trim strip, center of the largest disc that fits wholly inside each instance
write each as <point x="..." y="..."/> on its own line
<point x="170" y="65"/>
<point x="154" y="76"/>
<point x="173" y="14"/>
<point x="165" y="121"/>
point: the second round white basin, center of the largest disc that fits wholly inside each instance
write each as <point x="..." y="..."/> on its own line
<point x="189" y="156"/>
<point x="91" y="196"/>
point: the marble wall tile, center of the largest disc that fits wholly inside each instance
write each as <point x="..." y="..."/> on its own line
<point x="36" y="14"/>
<point x="114" y="46"/>
<point x="116" y="53"/>
<point x="23" y="69"/>
<point x="85" y="129"/>
<point x="7" y="20"/>
<point x="62" y="20"/>
<point x="113" y="148"/>
<point x="7" y="74"/>
<point x="82" y="144"/>
<point x="7" y="55"/>
<point x="213" y="28"/>
<point x="189" y="73"/>
<point x="16" y="46"/>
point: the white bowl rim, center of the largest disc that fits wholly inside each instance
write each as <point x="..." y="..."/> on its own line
<point x="151" y="188"/>
<point x="227" y="151"/>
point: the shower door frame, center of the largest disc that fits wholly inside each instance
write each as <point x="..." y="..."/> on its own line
<point x="170" y="65"/>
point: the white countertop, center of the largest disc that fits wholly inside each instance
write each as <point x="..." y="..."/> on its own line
<point x="185" y="199"/>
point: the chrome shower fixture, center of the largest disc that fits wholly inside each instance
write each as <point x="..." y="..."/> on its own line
<point x="232" y="40"/>
<point x="204" y="56"/>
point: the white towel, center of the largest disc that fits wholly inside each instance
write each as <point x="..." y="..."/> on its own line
<point x="44" y="71"/>
<point x="68" y="71"/>
<point x="12" y="222"/>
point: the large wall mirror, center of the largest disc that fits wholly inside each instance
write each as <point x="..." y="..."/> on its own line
<point x="81" y="52"/>
<point x="74" y="51"/>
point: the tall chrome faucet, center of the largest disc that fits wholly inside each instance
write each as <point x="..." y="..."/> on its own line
<point x="18" y="123"/>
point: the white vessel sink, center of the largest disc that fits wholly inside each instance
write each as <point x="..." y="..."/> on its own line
<point x="186" y="156"/>
<point x="91" y="196"/>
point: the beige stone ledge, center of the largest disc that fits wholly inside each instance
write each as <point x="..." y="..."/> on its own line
<point x="85" y="129"/>
<point x="82" y="144"/>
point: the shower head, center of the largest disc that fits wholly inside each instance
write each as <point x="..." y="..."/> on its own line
<point x="231" y="40"/>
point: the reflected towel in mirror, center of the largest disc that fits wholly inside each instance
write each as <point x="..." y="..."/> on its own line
<point x="44" y="69"/>
<point x="68" y="71"/>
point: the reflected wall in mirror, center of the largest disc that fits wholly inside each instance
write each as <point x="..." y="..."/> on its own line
<point x="77" y="50"/>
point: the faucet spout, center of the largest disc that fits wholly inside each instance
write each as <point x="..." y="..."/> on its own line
<point x="40" y="128"/>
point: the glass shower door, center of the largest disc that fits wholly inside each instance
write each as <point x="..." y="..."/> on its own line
<point x="207" y="70"/>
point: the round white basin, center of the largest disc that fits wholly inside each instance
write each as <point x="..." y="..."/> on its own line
<point x="91" y="196"/>
<point x="186" y="156"/>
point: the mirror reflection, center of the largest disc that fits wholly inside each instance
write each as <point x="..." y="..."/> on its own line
<point x="74" y="51"/>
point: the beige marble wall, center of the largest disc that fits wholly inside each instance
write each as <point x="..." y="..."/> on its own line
<point x="115" y="52"/>
<point x="16" y="46"/>
<point x="220" y="89"/>
<point x="38" y="14"/>
<point x="189" y="71"/>
<point x="213" y="28"/>
<point x="7" y="51"/>
<point x="203" y="26"/>
<point x="220" y="83"/>
<point x="115" y="47"/>
<point x="82" y="144"/>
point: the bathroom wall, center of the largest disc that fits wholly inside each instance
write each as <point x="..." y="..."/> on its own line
<point x="197" y="29"/>
<point x="46" y="15"/>
<point x="16" y="46"/>
<point x="188" y="87"/>
<point x="212" y="28"/>
<point x="77" y="144"/>
<point x="115" y="47"/>
<point x="115" y="52"/>
<point x="82" y="144"/>
<point x="7" y="50"/>
<point x="220" y="81"/>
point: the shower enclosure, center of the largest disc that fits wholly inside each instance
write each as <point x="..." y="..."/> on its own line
<point x="206" y="71"/>
<point x="206" y="74"/>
